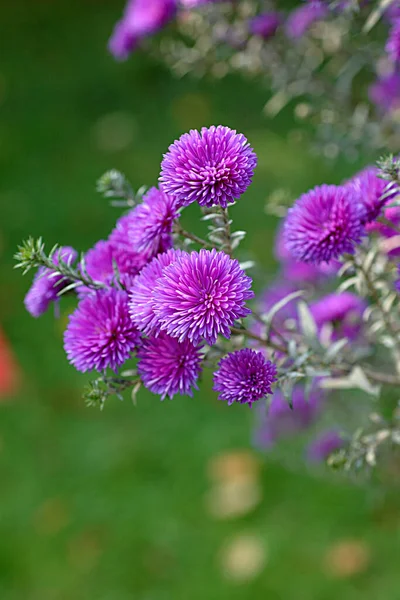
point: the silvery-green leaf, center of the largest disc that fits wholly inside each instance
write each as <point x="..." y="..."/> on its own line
<point x="307" y="324"/>
<point x="376" y="14"/>
<point x="335" y="348"/>
<point x="267" y="317"/>
<point x="248" y="264"/>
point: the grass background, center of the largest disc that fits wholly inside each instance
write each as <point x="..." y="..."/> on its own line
<point x="111" y="505"/>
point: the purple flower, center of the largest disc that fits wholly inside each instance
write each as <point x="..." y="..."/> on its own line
<point x="393" y="43"/>
<point x="323" y="224"/>
<point x="105" y="256"/>
<point x="302" y="18"/>
<point x="244" y="376"/>
<point x="141" y="18"/>
<point x="46" y="285"/>
<point x="200" y="295"/>
<point x="212" y="167"/>
<point x="149" y="225"/>
<point x="342" y="313"/>
<point x="265" y="25"/>
<point x="100" y="333"/>
<point x="280" y="421"/>
<point x="385" y="92"/>
<point x="372" y="191"/>
<point x="141" y="304"/>
<point x="327" y="442"/>
<point x="298" y="271"/>
<point x="168" y="367"/>
<point x="392" y="243"/>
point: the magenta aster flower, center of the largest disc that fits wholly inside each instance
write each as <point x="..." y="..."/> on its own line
<point x="302" y="18"/>
<point x="149" y="224"/>
<point x="393" y="43"/>
<point x="244" y="376"/>
<point x="168" y="367"/>
<point x="341" y="312"/>
<point x="323" y="224"/>
<point x="141" y="18"/>
<point x="201" y="295"/>
<point x="326" y="443"/>
<point x="392" y="215"/>
<point x="141" y="304"/>
<point x="105" y="256"/>
<point x="211" y="167"/>
<point x="280" y="421"/>
<point x="385" y="92"/>
<point x="47" y="286"/>
<point x="100" y="333"/>
<point x="265" y="25"/>
<point x="372" y="191"/>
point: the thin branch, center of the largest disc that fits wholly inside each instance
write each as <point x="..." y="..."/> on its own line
<point x="191" y="236"/>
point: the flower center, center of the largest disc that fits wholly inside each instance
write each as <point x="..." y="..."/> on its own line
<point x="213" y="175"/>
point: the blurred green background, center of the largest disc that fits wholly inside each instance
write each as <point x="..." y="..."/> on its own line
<point x="165" y="501"/>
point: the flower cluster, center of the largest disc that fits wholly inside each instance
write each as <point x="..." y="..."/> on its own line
<point x="156" y="312"/>
<point x="291" y="47"/>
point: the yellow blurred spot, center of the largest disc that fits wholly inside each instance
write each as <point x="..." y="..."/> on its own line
<point x="114" y="132"/>
<point x="239" y="465"/>
<point x="233" y="499"/>
<point x="347" y="558"/>
<point x="243" y="557"/>
<point x="51" y="517"/>
<point x="191" y="111"/>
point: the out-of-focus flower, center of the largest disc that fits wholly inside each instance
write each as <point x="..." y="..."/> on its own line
<point x="47" y="286"/>
<point x="280" y="421"/>
<point x="303" y="17"/>
<point x="393" y="43"/>
<point x="372" y="191"/>
<point x="141" y="18"/>
<point x="212" y="167"/>
<point x="201" y="295"/>
<point x="100" y="333"/>
<point x="385" y="92"/>
<point x="244" y="376"/>
<point x="326" y="443"/>
<point x="342" y="313"/>
<point x="392" y="233"/>
<point x="265" y="25"/>
<point x="323" y="224"/>
<point x="168" y="367"/>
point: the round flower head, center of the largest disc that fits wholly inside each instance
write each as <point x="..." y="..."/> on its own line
<point x="105" y="257"/>
<point x="281" y="421"/>
<point x="168" y="367"/>
<point x="100" y="333"/>
<point x="372" y="192"/>
<point x="302" y="18"/>
<point x="141" y="304"/>
<point x="244" y="376"/>
<point x="47" y="286"/>
<point x="385" y="92"/>
<point x="211" y="167"/>
<point x="393" y="43"/>
<point x="327" y="442"/>
<point x="389" y="230"/>
<point x="265" y="25"/>
<point x="150" y="223"/>
<point x="201" y="295"/>
<point x="141" y="18"/>
<point x="342" y="313"/>
<point x="323" y="224"/>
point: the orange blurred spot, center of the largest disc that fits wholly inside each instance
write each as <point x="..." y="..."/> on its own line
<point x="347" y="558"/>
<point x="9" y="372"/>
<point x="84" y="550"/>
<point x="51" y="517"/>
